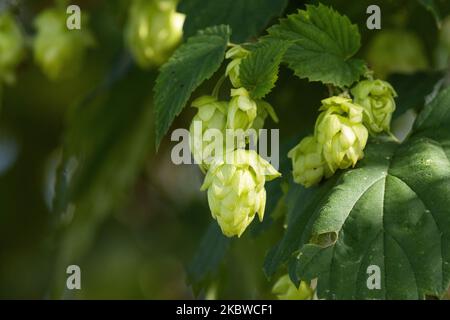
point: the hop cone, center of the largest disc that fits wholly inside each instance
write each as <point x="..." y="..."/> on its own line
<point x="153" y="30"/>
<point x="11" y="47"/>
<point x="307" y="162"/>
<point x="211" y="115"/>
<point x="284" y="289"/>
<point x="340" y="131"/>
<point x="57" y="50"/>
<point x="377" y="99"/>
<point x="236" y="190"/>
<point x="236" y="53"/>
<point x="242" y="110"/>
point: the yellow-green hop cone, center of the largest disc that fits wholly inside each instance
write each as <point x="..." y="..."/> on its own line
<point x="377" y="99"/>
<point x="153" y="31"/>
<point x="236" y="53"/>
<point x="340" y="131"/>
<point x="308" y="163"/>
<point x="12" y="47"/>
<point x="212" y="114"/>
<point x="242" y="110"/>
<point x="236" y="190"/>
<point x="57" y="50"/>
<point x="284" y="289"/>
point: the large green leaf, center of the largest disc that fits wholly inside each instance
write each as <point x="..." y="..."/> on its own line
<point x="259" y="71"/>
<point x="247" y="18"/>
<point x="391" y="211"/>
<point x="191" y="64"/>
<point x="323" y="45"/>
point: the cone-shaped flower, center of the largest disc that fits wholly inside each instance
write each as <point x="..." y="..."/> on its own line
<point x="284" y="289"/>
<point x="242" y="110"/>
<point x="57" y="50"/>
<point x="308" y="163"/>
<point x="236" y="53"/>
<point x="236" y="190"/>
<point x="11" y="47"/>
<point x="211" y="115"/>
<point x="340" y="131"/>
<point x="377" y="99"/>
<point x="153" y="30"/>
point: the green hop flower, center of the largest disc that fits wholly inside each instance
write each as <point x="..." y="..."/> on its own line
<point x="242" y="110"/>
<point x="340" y="131"/>
<point x="153" y="30"/>
<point x="264" y="109"/>
<point x="236" y="53"/>
<point x="211" y="115"/>
<point x="284" y="289"/>
<point x="12" y="47"/>
<point x="236" y="190"/>
<point x="59" y="51"/>
<point x="308" y="163"/>
<point x="377" y="99"/>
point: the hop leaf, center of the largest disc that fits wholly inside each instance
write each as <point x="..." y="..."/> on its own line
<point x="377" y="99"/>
<point x="284" y="289"/>
<point x="58" y="50"/>
<point x="11" y="47"/>
<point x="236" y="190"/>
<point x="153" y="30"/>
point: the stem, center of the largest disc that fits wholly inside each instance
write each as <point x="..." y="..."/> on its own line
<point x="215" y="92"/>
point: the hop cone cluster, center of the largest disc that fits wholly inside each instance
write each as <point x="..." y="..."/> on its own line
<point x="377" y="99"/>
<point x="236" y="190"/>
<point x="11" y="47"/>
<point x="153" y="30"/>
<point x="284" y="289"/>
<point x="57" y="50"/>
<point x="338" y="142"/>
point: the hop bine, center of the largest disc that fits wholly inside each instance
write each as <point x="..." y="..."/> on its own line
<point x="284" y="289"/>
<point x="12" y="47"/>
<point x="236" y="190"/>
<point x="377" y="99"/>
<point x="58" y="50"/>
<point x="340" y="132"/>
<point x="153" y="30"/>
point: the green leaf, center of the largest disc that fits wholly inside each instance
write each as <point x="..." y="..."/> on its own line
<point x="190" y="65"/>
<point x="258" y="72"/>
<point x="391" y="211"/>
<point x="212" y="249"/>
<point x="247" y="18"/>
<point x="323" y="45"/>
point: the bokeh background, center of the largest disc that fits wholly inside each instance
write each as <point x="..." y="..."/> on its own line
<point x="131" y="219"/>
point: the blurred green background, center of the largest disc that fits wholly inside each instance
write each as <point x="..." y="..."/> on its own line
<point x="129" y="217"/>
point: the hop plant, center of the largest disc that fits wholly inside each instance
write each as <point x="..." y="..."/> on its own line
<point x="377" y="99"/>
<point x="211" y="115"/>
<point x="242" y="110"/>
<point x="59" y="51"/>
<point x="308" y="163"/>
<point x="236" y="190"/>
<point x="237" y="53"/>
<point x="153" y="30"/>
<point x="12" y="47"/>
<point x="284" y="289"/>
<point x="340" y="132"/>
